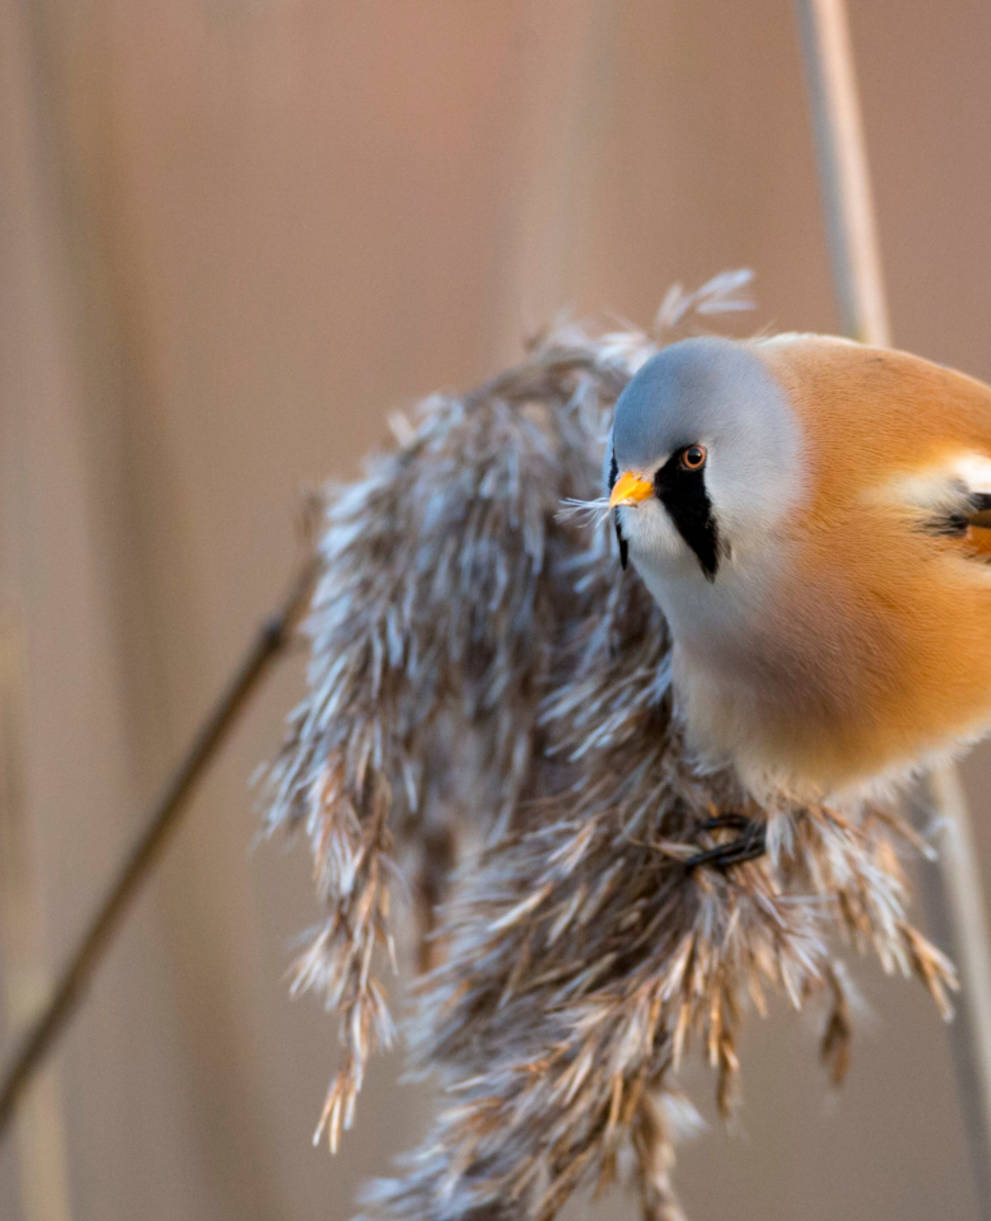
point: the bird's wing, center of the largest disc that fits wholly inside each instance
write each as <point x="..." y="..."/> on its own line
<point x="960" y="507"/>
<point x="977" y="531"/>
<point x="979" y="517"/>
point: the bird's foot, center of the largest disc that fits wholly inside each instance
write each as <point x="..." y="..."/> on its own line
<point x="749" y="844"/>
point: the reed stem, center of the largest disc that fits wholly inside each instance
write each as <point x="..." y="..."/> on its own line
<point x="147" y="850"/>
<point x="952" y="892"/>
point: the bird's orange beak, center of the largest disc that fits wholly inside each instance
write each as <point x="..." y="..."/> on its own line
<point x="630" y="488"/>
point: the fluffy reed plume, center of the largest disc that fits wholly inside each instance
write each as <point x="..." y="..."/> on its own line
<point x="488" y="716"/>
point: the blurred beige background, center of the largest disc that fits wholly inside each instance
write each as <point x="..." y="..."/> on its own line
<point x="233" y="233"/>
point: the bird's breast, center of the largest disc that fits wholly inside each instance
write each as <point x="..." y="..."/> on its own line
<point x="823" y="679"/>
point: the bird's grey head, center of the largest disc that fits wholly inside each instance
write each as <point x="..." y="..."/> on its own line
<point x="703" y="461"/>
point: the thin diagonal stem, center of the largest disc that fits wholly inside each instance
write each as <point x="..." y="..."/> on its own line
<point x="145" y="853"/>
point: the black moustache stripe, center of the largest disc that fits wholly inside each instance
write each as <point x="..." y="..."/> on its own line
<point x="683" y="494"/>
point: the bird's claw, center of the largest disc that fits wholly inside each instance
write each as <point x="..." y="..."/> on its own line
<point x="750" y="844"/>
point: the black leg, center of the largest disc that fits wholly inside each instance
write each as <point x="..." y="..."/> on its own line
<point x="748" y="846"/>
<point x="732" y="822"/>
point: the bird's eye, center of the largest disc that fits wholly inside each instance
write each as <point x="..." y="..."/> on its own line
<point x="693" y="457"/>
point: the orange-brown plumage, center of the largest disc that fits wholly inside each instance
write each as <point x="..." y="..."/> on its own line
<point x="977" y="542"/>
<point x="906" y="611"/>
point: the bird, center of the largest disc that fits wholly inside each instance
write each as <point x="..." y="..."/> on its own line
<point x="813" y="517"/>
